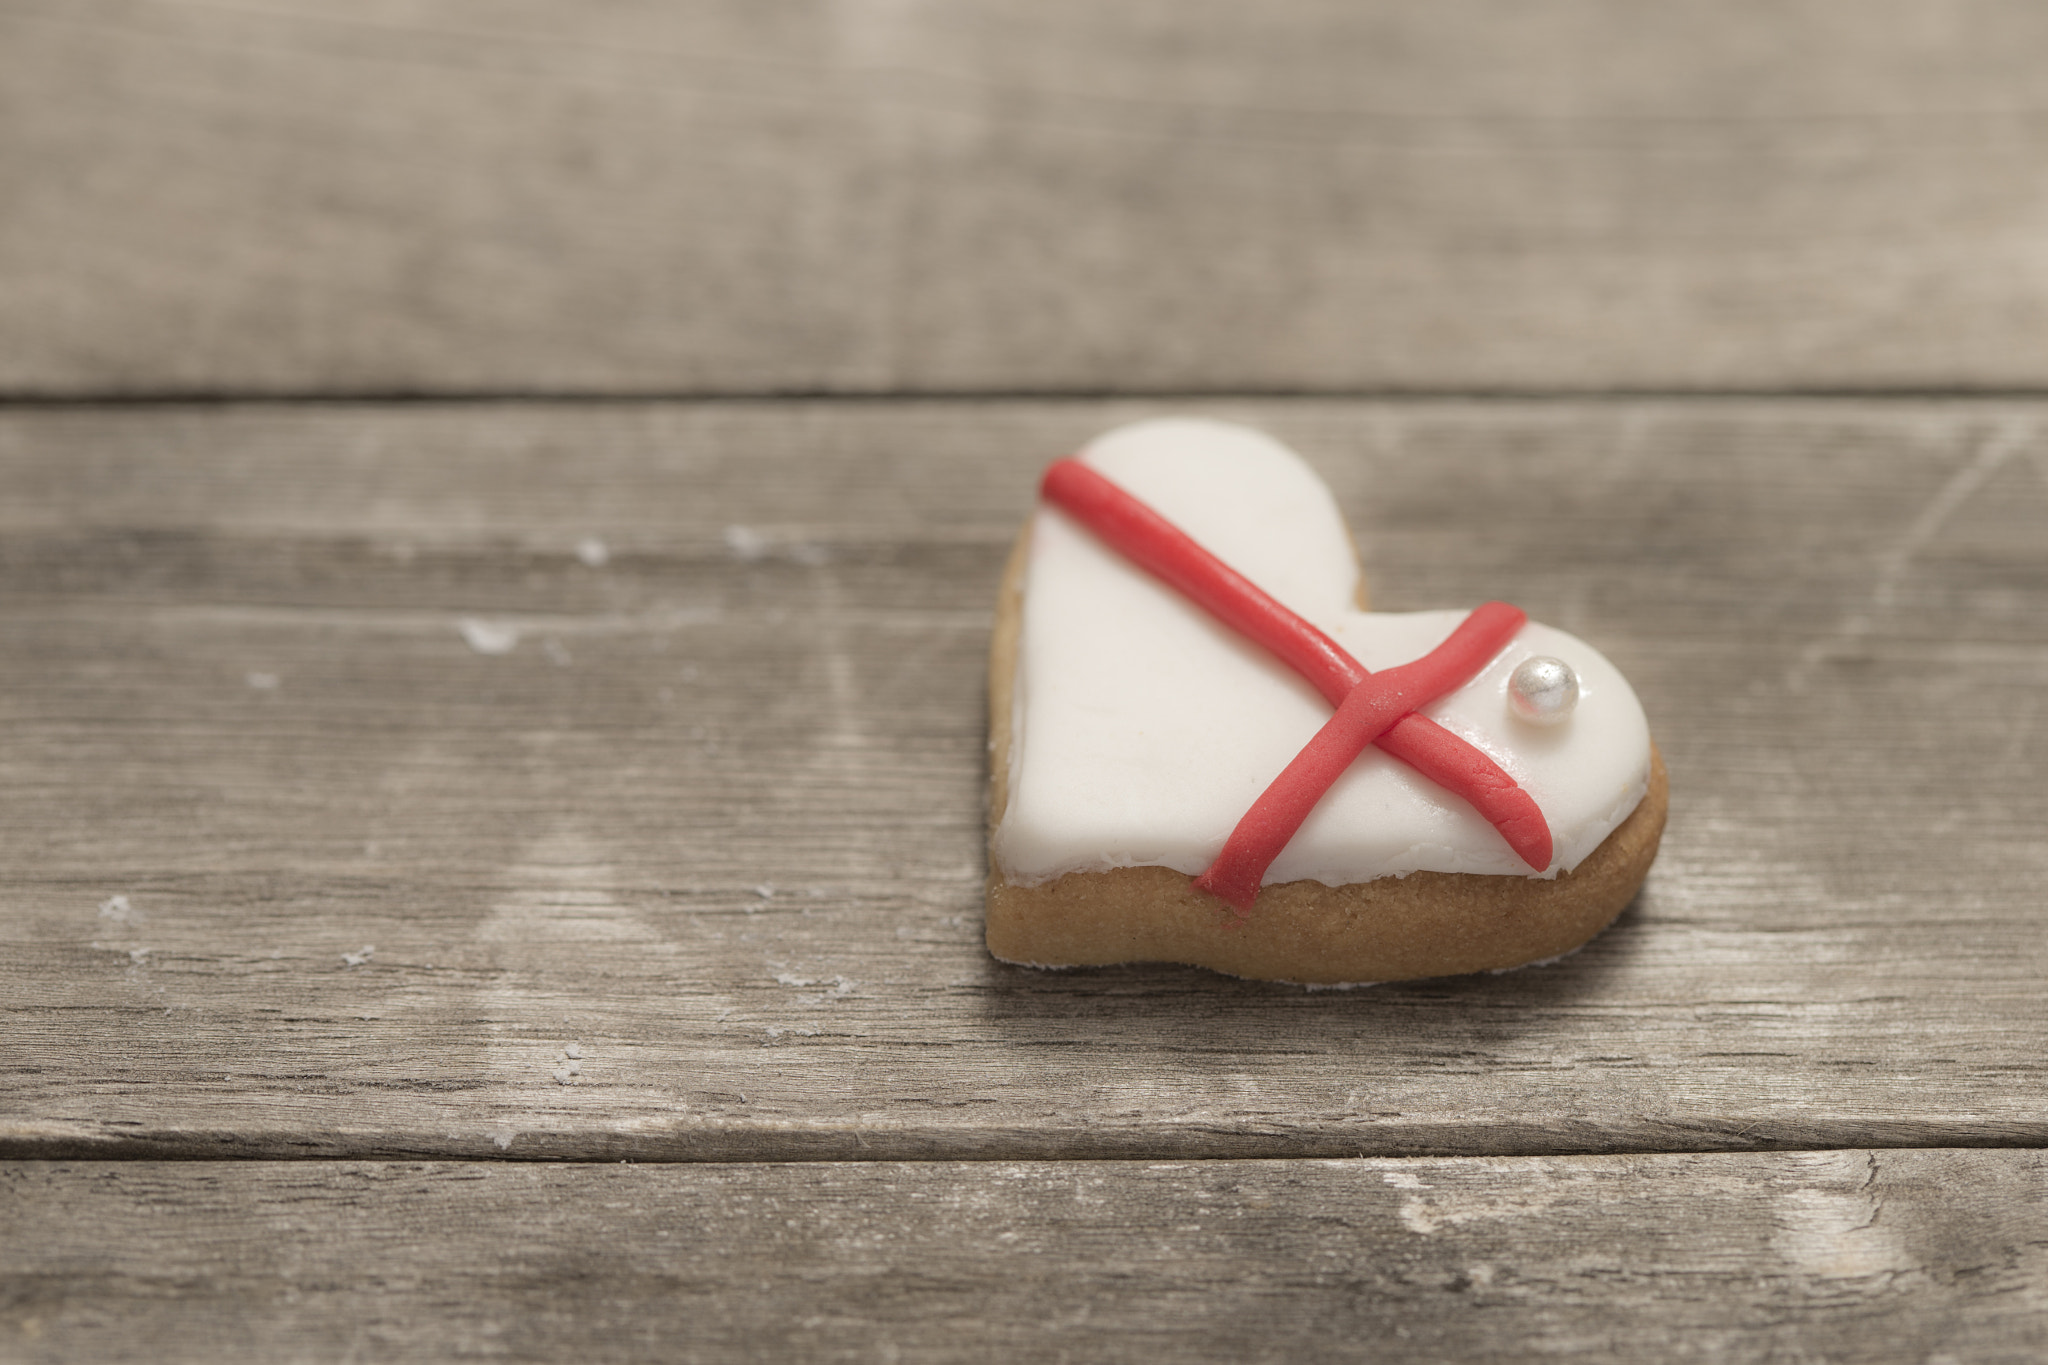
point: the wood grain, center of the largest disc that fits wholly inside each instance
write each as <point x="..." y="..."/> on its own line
<point x="427" y="196"/>
<point x="1854" y="1255"/>
<point x="715" y="817"/>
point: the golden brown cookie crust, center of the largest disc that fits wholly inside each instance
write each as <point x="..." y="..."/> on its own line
<point x="1388" y="929"/>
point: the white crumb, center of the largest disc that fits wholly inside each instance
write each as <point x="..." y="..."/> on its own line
<point x="573" y="1050"/>
<point x="563" y="1076"/>
<point x="573" y="1068"/>
<point x="792" y="979"/>
<point x="745" y="543"/>
<point x="502" y="1138"/>
<point x="750" y="546"/>
<point x="262" y="682"/>
<point x="118" y="909"/>
<point x="360" y="955"/>
<point x="593" y="552"/>
<point x="136" y="955"/>
<point x="765" y="891"/>
<point x="488" y="637"/>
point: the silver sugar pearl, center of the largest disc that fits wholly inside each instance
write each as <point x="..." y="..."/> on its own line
<point x="1543" y="690"/>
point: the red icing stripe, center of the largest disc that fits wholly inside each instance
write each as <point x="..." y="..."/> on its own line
<point x="1169" y="554"/>
<point x="1371" y="709"/>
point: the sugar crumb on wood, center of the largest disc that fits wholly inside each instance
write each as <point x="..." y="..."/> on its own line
<point x="750" y="546"/>
<point x="121" y="911"/>
<point x="488" y="637"/>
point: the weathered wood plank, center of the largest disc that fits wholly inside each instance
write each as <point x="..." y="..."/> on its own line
<point x="437" y="195"/>
<point x="1873" y="1256"/>
<point x="714" y="819"/>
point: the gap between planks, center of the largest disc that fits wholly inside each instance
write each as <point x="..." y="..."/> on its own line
<point x="1419" y="394"/>
<point x="16" y="1161"/>
<point x="625" y="1151"/>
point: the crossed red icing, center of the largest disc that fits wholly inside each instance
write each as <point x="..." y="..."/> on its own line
<point x="1372" y="708"/>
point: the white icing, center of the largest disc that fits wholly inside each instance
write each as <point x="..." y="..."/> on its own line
<point x="1143" y="730"/>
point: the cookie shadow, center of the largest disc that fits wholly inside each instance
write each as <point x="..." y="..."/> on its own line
<point x="1173" y="1014"/>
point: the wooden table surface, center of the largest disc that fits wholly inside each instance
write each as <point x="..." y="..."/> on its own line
<point x="500" y="511"/>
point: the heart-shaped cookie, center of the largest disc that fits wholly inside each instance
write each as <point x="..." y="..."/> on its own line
<point x="1131" y="731"/>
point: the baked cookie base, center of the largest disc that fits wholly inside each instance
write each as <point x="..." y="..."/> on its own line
<point x="1389" y="929"/>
